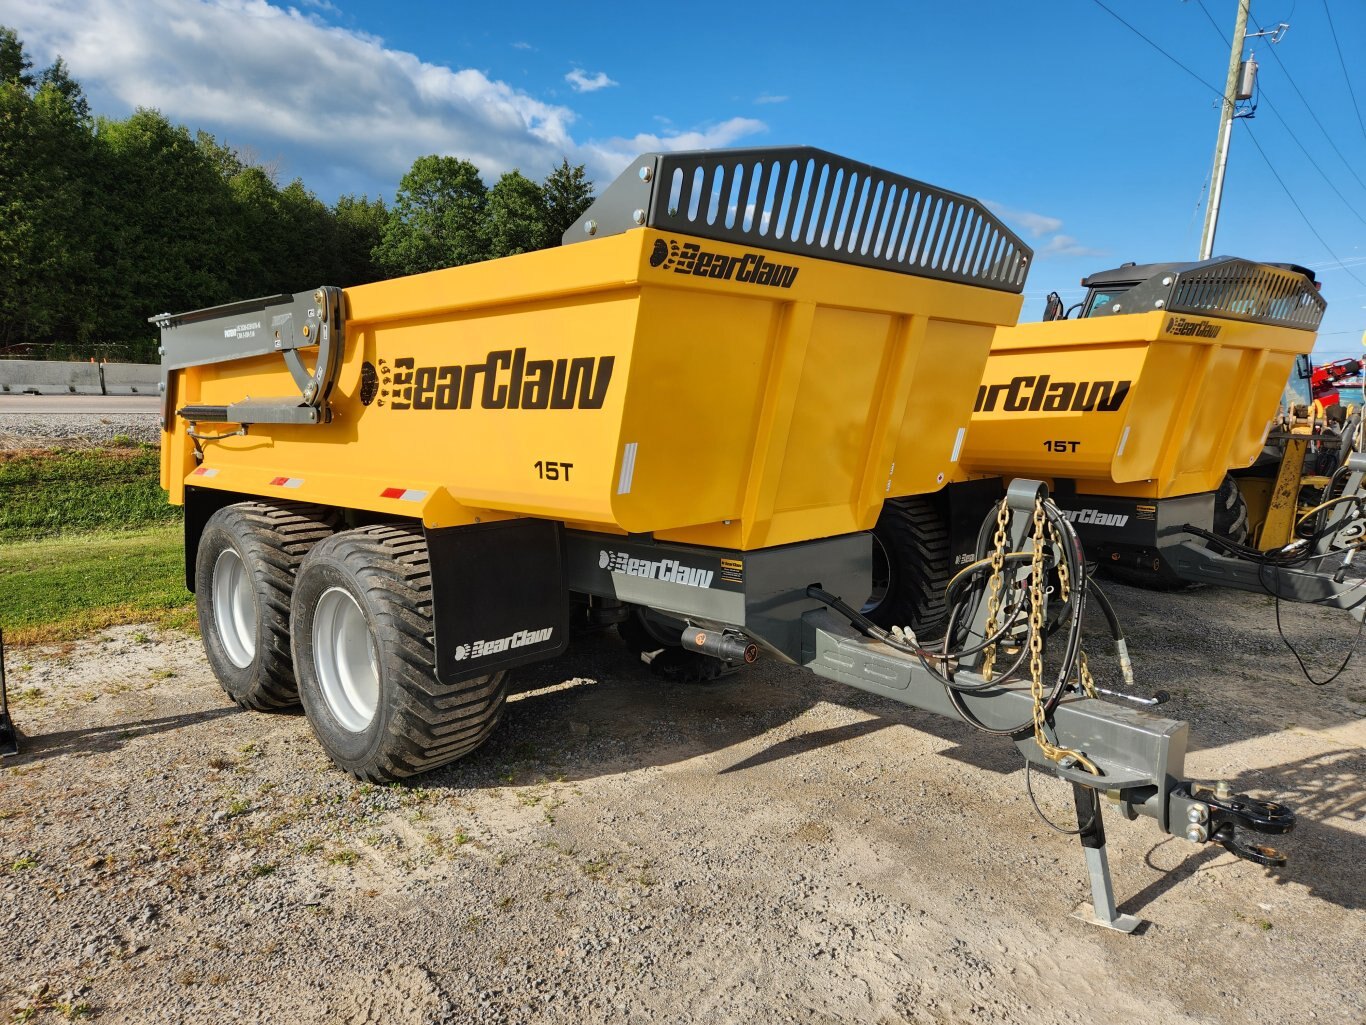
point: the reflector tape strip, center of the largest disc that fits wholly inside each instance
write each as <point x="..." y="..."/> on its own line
<point x="628" y="468"/>
<point x="204" y="471"/>
<point x="958" y="444"/>
<point x="403" y="494"/>
<point x="1123" y="440"/>
<point x="286" y="482"/>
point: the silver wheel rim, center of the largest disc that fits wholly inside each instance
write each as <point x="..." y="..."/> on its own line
<point x="234" y="608"/>
<point x="344" y="659"/>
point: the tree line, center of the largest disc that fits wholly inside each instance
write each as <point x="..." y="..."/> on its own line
<point x="105" y="222"/>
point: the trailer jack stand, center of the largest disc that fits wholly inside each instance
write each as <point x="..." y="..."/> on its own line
<point x="1091" y="830"/>
<point x="9" y="738"/>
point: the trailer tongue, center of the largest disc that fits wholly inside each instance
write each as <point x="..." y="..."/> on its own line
<point x="687" y="424"/>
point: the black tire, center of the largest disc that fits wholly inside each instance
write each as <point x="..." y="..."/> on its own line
<point x="268" y="541"/>
<point x="912" y="565"/>
<point x="1230" y="512"/>
<point x="417" y="722"/>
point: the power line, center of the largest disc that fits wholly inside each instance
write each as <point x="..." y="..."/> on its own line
<point x="1214" y="24"/>
<point x="1314" y="163"/>
<point x="1262" y="96"/>
<point x="1217" y="92"/>
<point x="1262" y="153"/>
<point x="1293" y="202"/>
<point x="1350" y="91"/>
<point x="1312" y="113"/>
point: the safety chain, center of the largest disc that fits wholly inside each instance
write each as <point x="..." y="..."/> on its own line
<point x="1036" y="630"/>
<point x="1088" y="682"/>
<point x="998" y="560"/>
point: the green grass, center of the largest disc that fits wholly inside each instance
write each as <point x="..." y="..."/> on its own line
<point x="44" y="494"/>
<point x="59" y="588"/>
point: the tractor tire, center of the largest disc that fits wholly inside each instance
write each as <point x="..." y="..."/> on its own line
<point x="363" y="647"/>
<point x="912" y="566"/>
<point x="1230" y="512"/>
<point x="245" y="569"/>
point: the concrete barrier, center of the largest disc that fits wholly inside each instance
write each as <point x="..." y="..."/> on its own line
<point x="48" y="377"/>
<point x="131" y="378"/>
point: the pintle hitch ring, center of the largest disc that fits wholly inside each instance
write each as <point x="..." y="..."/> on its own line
<point x="1228" y="812"/>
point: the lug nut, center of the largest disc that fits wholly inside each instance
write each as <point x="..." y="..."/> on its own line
<point x="1195" y="833"/>
<point x="1197" y="813"/>
<point x="1222" y="790"/>
<point x="646" y="173"/>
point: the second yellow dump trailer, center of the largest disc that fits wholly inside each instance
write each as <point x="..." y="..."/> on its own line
<point x="686" y="422"/>
<point x="1149" y="413"/>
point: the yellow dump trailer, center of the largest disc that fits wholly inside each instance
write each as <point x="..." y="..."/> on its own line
<point x="690" y="422"/>
<point x="1146" y="402"/>
<point x="579" y="384"/>
<point x="1150" y="413"/>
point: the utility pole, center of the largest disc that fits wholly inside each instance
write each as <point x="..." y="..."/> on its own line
<point x="1216" y="183"/>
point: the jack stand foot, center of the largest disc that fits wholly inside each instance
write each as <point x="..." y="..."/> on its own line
<point x="1101" y="910"/>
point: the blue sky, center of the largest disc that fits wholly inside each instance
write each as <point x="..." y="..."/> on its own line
<point x="1095" y="146"/>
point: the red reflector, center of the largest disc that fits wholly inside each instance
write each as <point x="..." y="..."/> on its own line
<point x="276" y="482"/>
<point x="391" y="493"/>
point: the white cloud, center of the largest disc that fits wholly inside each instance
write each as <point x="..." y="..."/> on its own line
<point x="1066" y="245"/>
<point x="336" y="102"/>
<point x="323" y="5"/>
<point x="766" y="98"/>
<point x="619" y="152"/>
<point x="521" y="45"/>
<point x="1036" y="225"/>
<point x="586" y="83"/>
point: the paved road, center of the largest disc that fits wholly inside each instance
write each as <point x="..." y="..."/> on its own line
<point x="94" y="405"/>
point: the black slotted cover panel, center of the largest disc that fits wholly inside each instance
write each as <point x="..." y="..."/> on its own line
<point x="808" y="202"/>
<point x="1243" y="290"/>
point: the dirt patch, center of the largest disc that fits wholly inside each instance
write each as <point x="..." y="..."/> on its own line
<point x="771" y="848"/>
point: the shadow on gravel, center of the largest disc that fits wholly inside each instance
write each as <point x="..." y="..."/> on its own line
<point x="99" y="739"/>
<point x="808" y="742"/>
<point x="1319" y="790"/>
<point x="1322" y="789"/>
<point x="598" y="711"/>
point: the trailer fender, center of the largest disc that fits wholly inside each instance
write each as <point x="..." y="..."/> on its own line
<point x="200" y="504"/>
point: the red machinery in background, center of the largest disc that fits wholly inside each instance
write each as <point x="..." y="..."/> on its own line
<point x="1325" y="378"/>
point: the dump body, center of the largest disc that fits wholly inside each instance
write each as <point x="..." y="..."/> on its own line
<point x="1154" y="403"/>
<point x="705" y="391"/>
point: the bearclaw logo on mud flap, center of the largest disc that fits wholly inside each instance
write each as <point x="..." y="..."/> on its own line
<point x="480" y="649"/>
<point x="751" y="268"/>
<point x="661" y="569"/>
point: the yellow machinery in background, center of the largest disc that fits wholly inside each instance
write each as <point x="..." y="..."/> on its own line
<point x="1154" y="416"/>
<point x="685" y="422"/>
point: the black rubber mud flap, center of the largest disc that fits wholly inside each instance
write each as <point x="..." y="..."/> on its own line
<point x="499" y="597"/>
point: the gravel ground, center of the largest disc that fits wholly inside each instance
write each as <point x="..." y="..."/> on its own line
<point x="75" y="430"/>
<point x="770" y="848"/>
